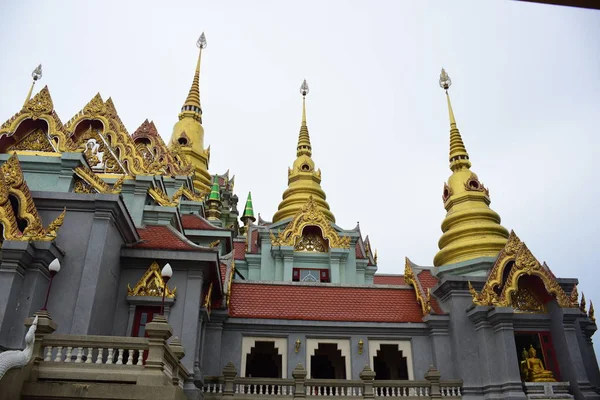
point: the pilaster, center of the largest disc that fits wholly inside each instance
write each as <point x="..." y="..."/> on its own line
<point x="68" y="162"/>
<point x="190" y="334"/>
<point x="441" y="345"/>
<point x="135" y="193"/>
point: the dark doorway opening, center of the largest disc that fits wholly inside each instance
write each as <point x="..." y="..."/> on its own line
<point x="263" y="361"/>
<point x="389" y="363"/>
<point x="328" y="362"/>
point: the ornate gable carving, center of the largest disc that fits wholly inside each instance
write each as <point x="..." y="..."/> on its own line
<point x="501" y="292"/>
<point x="423" y="298"/>
<point x="89" y="182"/>
<point x="13" y="183"/>
<point x="114" y="135"/>
<point x="40" y="107"/>
<point x="151" y="284"/>
<point x="309" y="215"/>
<point x="34" y="141"/>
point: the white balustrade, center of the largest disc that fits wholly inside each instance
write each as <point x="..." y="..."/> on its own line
<point x="79" y="355"/>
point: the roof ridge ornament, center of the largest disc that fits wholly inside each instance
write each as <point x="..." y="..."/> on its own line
<point x="36" y="75"/>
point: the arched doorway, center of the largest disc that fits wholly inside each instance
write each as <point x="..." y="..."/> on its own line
<point x="389" y="363"/>
<point x="263" y="361"/>
<point x="328" y="362"/>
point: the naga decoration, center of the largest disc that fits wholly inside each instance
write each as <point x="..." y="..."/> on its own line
<point x="162" y="198"/>
<point x="151" y="284"/>
<point x="21" y="210"/>
<point x="89" y="182"/>
<point x="19" y="358"/>
<point x="309" y="215"/>
<point x="501" y="292"/>
<point x="424" y="298"/>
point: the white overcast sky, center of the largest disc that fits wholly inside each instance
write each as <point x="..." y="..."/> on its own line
<point x="526" y="94"/>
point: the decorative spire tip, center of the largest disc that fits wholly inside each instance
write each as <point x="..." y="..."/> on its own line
<point x="445" y="81"/>
<point x="304" y="88"/>
<point x="37" y="73"/>
<point x="201" y="43"/>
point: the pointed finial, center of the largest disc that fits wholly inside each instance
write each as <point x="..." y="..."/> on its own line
<point x="201" y="43"/>
<point x="215" y="193"/>
<point x="304" y="146"/>
<point x="36" y="75"/>
<point x="459" y="158"/>
<point x="249" y="209"/>
<point x="591" y="312"/>
<point x="582" y="304"/>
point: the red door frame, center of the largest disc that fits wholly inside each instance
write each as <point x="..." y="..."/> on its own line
<point x="139" y="322"/>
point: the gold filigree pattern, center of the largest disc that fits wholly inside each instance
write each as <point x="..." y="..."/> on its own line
<point x="498" y="291"/>
<point x="310" y="215"/>
<point x="229" y="281"/>
<point x="311" y="242"/>
<point x="13" y="183"/>
<point x="523" y="300"/>
<point x="34" y="141"/>
<point x="423" y="298"/>
<point x="41" y="107"/>
<point x="208" y="299"/>
<point x="187" y="194"/>
<point x="162" y="198"/>
<point x="90" y="182"/>
<point x="151" y="284"/>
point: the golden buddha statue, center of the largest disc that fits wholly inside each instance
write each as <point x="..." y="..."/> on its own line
<point x="535" y="369"/>
<point x="523" y="365"/>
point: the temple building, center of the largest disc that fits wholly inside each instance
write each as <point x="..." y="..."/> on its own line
<point x="128" y="272"/>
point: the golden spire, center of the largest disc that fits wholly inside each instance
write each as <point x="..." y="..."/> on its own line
<point x="303" y="179"/>
<point x="36" y="75"/>
<point x="188" y="132"/>
<point x="471" y="229"/>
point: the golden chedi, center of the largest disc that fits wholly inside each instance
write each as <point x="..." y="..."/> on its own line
<point x="303" y="180"/>
<point x="471" y="229"/>
<point x="188" y="133"/>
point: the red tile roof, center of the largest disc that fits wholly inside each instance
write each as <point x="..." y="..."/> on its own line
<point x="323" y="303"/>
<point x="193" y="221"/>
<point x="239" y="250"/>
<point x="223" y="270"/>
<point x="389" y="280"/>
<point x="359" y="253"/>
<point x="162" y="237"/>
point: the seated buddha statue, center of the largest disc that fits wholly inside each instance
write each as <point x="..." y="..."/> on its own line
<point x="523" y="365"/>
<point x="535" y="369"/>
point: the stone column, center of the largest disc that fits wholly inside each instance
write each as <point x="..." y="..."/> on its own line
<point x="585" y="330"/>
<point x="434" y="377"/>
<point x="368" y="376"/>
<point x="299" y="375"/>
<point x="288" y="262"/>
<point x="441" y="345"/>
<point x="191" y="314"/>
<point x="158" y="332"/>
<point x="16" y="256"/>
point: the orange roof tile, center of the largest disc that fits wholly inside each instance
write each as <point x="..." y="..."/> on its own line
<point x="161" y="237"/>
<point x="428" y="281"/>
<point x="389" y="280"/>
<point x="193" y="221"/>
<point x="323" y="303"/>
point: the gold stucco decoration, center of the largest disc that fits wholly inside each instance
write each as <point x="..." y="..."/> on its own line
<point x="34" y="141"/>
<point x="498" y="291"/>
<point x="312" y="242"/>
<point x="40" y="107"/>
<point x="161" y="198"/>
<point x="89" y="182"/>
<point x="309" y="215"/>
<point x="13" y="183"/>
<point x="187" y="194"/>
<point x="151" y="284"/>
<point x="423" y="298"/>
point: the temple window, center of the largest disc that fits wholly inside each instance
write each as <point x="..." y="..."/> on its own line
<point x="182" y="141"/>
<point x="328" y="359"/>
<point x="264" y="357"/>
<point x="310" y="275"/>
<point x="312" y="241"/>
<point x="389" y="363"/>
<point x="536" y="353"/>
<point x="143" y="316"/>
<point x="391" y="359"/>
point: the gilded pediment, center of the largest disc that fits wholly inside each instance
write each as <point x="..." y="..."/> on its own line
<point x="151" y="284"/>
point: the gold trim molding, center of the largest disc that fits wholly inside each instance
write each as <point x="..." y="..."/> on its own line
<point x="524" y="264"/>
<point x="423" y="298"/>
<point x="90" y="180"/>
<point x="309" y="215"/>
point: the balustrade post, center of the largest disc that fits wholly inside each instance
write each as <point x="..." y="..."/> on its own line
<point x="158" y="332"/>
<point x="367" y="376"/>
<point x="229" y="374"/>
<point x="433" y="376"/>
<point x="299" y="375"/>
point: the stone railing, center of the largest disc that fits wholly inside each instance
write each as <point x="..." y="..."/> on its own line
<point x="148" y="361"/>
<point x="230" y="386"/>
